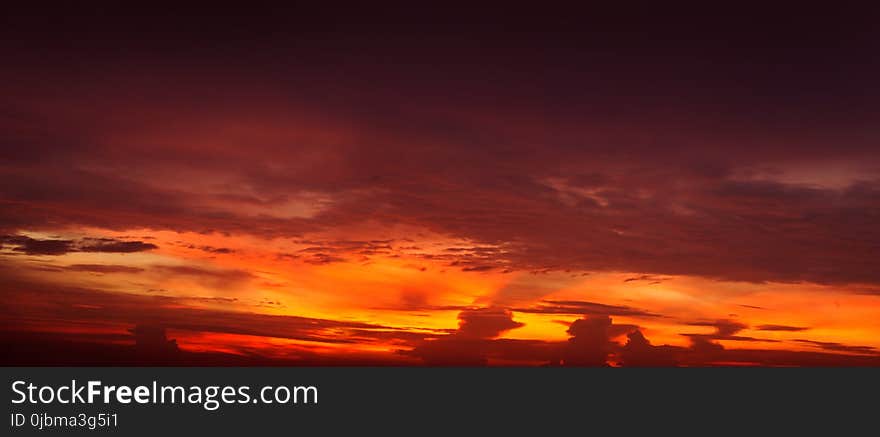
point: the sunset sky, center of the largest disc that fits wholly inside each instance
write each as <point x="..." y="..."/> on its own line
<point x="411" y="187"/>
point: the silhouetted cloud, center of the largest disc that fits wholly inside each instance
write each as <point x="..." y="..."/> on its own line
<point x="152" y="345"/>
<point x="322" y="258"/>
<point x="724" y="330"/>
<point x="485" y="322"/>
<point x="639" y="352"/>
<point x="839" y="347"/>
<point x="103" y="268"/>
<point x="590" y="343"/>
<point x="474" y="343"/>
<point x="109" y="245"/>
<point x="577" y="307"/>
<point x="652" y="279"/>
<point x="32" y="246"/>
<point x="212" y="249"/>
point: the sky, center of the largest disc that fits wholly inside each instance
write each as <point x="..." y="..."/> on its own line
<point x="409" y="186"/>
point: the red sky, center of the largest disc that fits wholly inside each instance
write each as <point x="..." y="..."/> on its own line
<point x="415" y="187"/>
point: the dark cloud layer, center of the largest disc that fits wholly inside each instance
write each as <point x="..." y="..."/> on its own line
<point x="614" y="150"/>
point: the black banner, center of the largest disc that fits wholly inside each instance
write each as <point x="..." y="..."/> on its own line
<point x="415" y="401"/>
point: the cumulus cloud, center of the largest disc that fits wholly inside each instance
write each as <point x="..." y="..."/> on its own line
<point x="590" y="343"/>
<point x="639" y="352"/>
<point x="485" y="322"/>
<point x="474" y="342"/>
